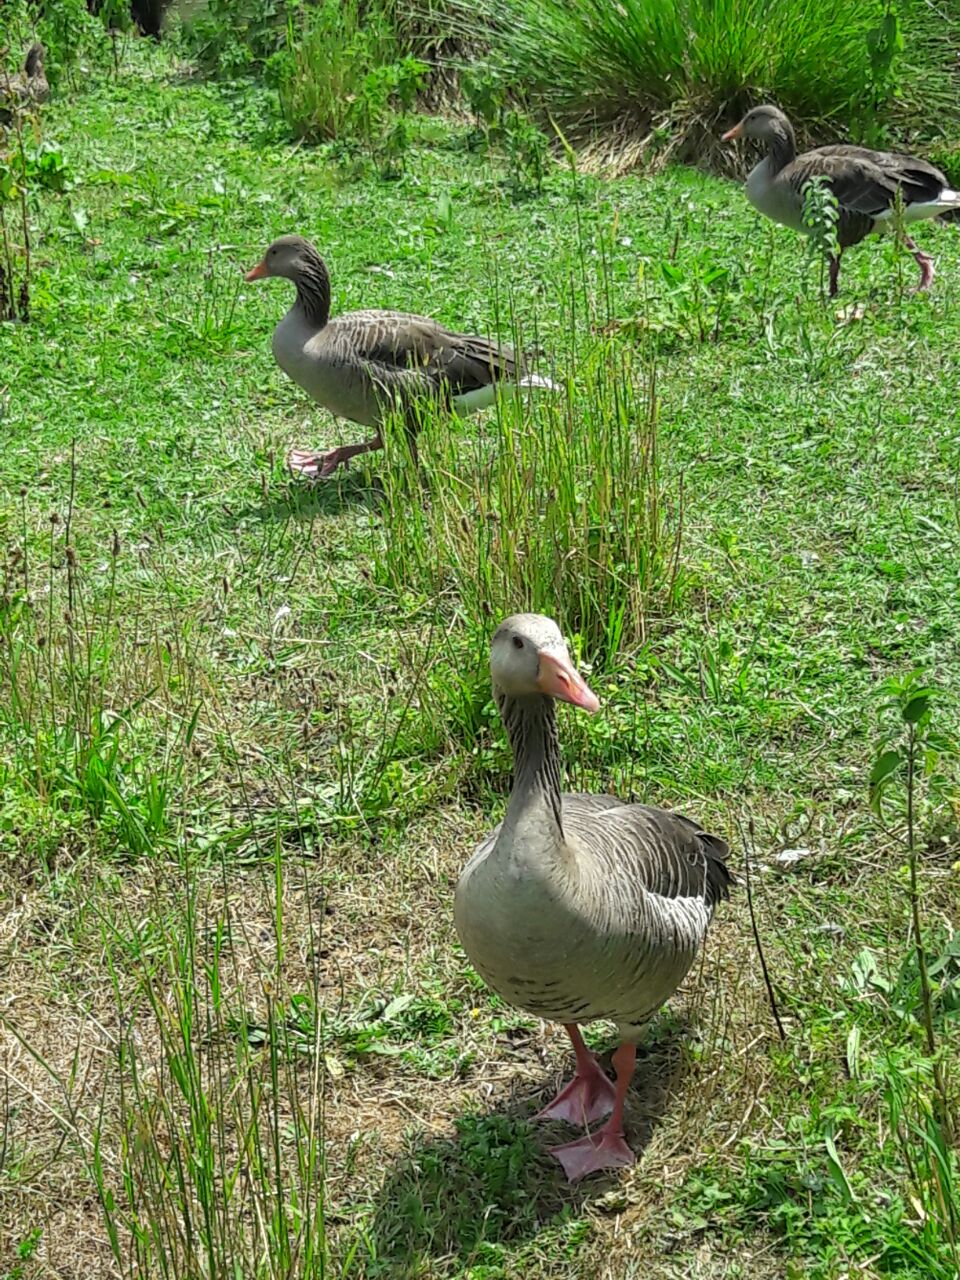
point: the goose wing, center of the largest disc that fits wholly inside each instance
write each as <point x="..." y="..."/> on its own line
<point x="660" y="852"/>
<point x="920" y="181"/>
<point x="417" y="352"/>
<point x="866" y="182"/>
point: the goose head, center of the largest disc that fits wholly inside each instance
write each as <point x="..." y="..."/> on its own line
<point x="762" y="124"/>
<point x="292" y="257"/>
<point x="528" y="656"/>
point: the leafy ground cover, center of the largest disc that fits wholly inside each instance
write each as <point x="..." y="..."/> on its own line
<point x="246" y="739"/>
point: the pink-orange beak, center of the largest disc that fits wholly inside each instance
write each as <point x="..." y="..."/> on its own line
<point x="734" y="133"/>
<point x="559" y="678"/>
<point x="256" y="273"/>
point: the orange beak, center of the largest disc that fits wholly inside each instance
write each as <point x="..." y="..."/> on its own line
<point x="735" y="132"/>
<point x="256" y="273"/>
<point x="560" y="679"/>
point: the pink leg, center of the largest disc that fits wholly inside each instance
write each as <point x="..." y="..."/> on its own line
<point x="606" y="1149"/>
<point x="924" y="262"/>
<point x="589" y="1096"/>
<point x="316" y="466"/>
<point x="834" y="275"/>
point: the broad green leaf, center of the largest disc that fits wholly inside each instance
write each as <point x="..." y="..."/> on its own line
<point x="853" y="1053"/>
<point x="397" y="1005"/>
<point x="917" y="707"/>
<point x="886" y="764"/>
<point x="836" y="1170"/>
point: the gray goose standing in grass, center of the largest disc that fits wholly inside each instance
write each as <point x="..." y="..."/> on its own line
<point x="865" y="184"/>
<point x="580" y="907"/>
<point x="364" y="364"/>
<point x="27" y="88"/>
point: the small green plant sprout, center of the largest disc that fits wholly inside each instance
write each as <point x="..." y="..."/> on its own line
<point x="484" y="91"/>
<point x="528" y="150"/>
<point x="26" y="1249"/>
<point x="885" y="44"/>
<point x="820" y="216"/>
<point x="28" y="167"/>
<point x="912" y="755"/>
<point x="698" y="299"/>
<point x="387" y="95"/>
<point x="526" y="146"/>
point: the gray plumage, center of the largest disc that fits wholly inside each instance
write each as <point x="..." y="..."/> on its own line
<point x="578" y="906"/>
<point x="866" y="184"/>
<point x="362" y="364"/>
<point x="28" y="88"/>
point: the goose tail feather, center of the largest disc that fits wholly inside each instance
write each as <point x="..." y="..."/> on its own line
<point x="719" y="876"/>
<point x="538" y="380"/>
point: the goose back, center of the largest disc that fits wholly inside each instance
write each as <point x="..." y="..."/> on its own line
<point x="27" y="87"/>
<point x="870" y="181"/>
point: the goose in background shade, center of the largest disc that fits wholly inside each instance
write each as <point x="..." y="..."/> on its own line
<point x="28" y="88"/>
<point x="364" y="364"/>
<point x="578" y="907"/>
<point x="865" y="184"/>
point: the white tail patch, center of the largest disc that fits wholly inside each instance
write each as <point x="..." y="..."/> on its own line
<point x="947" y="200"/>
<point x="537" y="380"/>
<point x="483" y="397"/>
<point x="474" y="401"/>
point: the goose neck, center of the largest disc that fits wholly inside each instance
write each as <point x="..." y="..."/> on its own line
<point x="313" y="289"/>
<point x="782" y="145"/>
<point x="531" y="727"/>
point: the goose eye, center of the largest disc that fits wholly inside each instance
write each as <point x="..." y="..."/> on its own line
<point x="517" y="642"/>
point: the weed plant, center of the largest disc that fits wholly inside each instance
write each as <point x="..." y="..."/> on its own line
<point x="344" y="77"/>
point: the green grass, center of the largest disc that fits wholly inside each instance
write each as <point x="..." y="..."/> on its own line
<point x="343" y="70"/>
<point x="648" y="80"/>
<point x="246" y="739"/>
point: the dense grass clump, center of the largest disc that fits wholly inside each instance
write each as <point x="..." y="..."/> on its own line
<point x="344" y="68"/>
<point x="247" y="35"/>
<point x="560" y="509"/>
<point x="667" y="71"/>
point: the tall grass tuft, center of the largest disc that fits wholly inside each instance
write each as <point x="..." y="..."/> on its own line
<point x="931" y="1164"/>
<point x="216" y="1167"/>
<point x="205" y="1147"/>
<point x="560" y="507"/>
<point x="666" y="71"/>
<point x="81" y="684"/>
<point x="345" y="72"/>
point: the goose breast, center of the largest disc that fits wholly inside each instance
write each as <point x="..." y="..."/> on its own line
<point x="607" y="932"/>
<point x="317" y="362"/>
<point x="773" y="198"/>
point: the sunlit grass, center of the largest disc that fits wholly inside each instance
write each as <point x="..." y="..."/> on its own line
<point x="247" y="738"/>
<point x="674" y="70"/>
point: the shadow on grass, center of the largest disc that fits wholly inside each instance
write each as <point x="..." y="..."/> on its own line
<point x="303" y="500"/>
<point x="493" y="1192"/>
